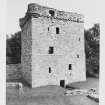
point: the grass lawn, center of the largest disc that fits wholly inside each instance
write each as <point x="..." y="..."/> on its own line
<point x="46" y="95"/>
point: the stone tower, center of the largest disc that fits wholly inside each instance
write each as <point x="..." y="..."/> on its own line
<point x="52" y="46"/>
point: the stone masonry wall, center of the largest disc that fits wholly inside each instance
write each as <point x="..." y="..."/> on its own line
<point x="13" y="72"/>
<point x="44" y="12"/>
<point x="67" y="45"/>
<point x="26" y="51"/>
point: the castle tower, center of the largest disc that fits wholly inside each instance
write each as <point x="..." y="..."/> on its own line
<point x="52" y="46"/>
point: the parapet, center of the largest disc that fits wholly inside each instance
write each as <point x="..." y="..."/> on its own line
<point x="42" y="11"/>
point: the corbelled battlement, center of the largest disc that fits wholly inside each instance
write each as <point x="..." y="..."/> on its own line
<point x="42" y="11"/>
<point x="46" y="11"/>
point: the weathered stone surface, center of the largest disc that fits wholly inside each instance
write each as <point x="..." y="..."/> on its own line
<point x="39" y="33"/>
<point x="26" y="52"/>
<point x="44" y="11"/>
<point x="13" y="72"/>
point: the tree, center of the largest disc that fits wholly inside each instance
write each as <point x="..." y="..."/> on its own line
<point x="13" y="48"/>
<point x="92" y="49"/>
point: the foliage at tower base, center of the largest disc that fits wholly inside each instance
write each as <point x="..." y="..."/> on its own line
<point x="92" y="37"/>
<point x="13" y="48"/>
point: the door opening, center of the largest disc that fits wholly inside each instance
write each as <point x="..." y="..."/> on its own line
<point x="62" y="83"/>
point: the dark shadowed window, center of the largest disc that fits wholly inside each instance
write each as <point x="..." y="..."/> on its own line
<point x="57" y="30"/>
<point x="51" y="12"/>
<point x="79" y="39"/>
<point x="70" y="66"/>
<point x="51" y="50"/>
<point x="48" y="28"/>
<point x="49" y="69"/>
<point x="77" y="56"/>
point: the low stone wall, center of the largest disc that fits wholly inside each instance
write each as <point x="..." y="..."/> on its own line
<point x="13" y="72"/>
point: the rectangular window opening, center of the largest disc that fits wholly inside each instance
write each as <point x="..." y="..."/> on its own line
<point x="51" y="12"/>
<point x="51" y="50"/>
<point x="48" y="28"/>
<point x="79" y="39"/>
<point x="49" y="69"/>
<point x="57" y="30"/>
<point x="70" y="67"/>
<point x="77" y="56"/>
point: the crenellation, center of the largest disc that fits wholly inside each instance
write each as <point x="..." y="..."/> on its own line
<point x="35" y="10"/>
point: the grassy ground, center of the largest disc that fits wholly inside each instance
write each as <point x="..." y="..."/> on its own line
<point x="89" y="83"/>
<point x="47" y="95"/>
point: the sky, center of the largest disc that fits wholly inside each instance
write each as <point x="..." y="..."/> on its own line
<point x="16" y="9"/>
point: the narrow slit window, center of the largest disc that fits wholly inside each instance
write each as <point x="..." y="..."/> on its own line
<point x="49" y="69"/>
<point x="48" y="28"/>
<point x="51" y="50"/>
<point x="57" y="30"/>
<point x="79" y="39"/>
<point x="77" y="56"/>
<point x="70" y="67"/>
<point x="77" y="20"/>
